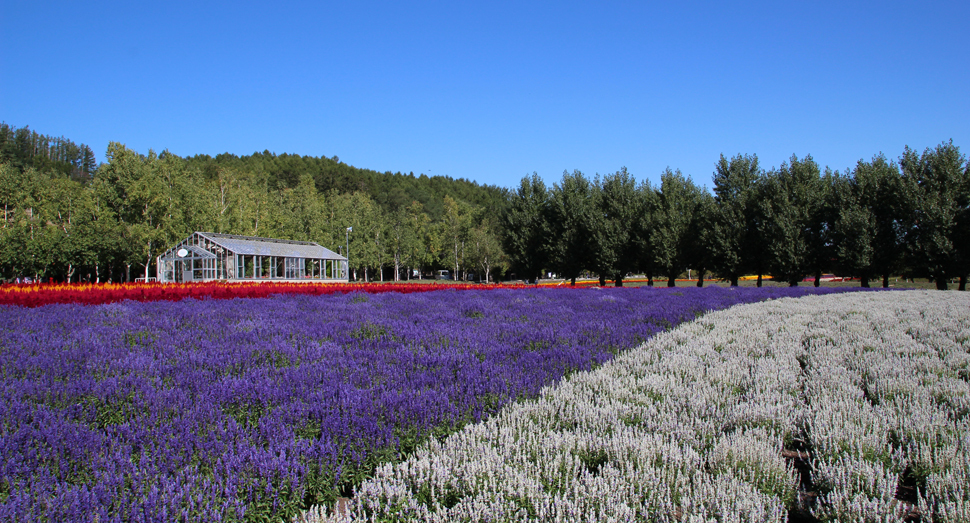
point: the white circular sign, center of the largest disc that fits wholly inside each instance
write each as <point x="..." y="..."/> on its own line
<point x="182" y="253"/>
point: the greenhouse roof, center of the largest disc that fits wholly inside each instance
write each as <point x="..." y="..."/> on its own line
<point x="256" y="246"/>
<point x="199" y="252"/>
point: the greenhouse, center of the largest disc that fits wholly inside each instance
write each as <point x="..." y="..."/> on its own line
<point x="207" y="256"/>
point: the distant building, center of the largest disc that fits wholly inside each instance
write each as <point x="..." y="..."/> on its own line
<point x="207" y="256"/>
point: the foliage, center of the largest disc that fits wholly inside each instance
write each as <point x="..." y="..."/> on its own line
<point x="939" y="181"/>
<point x="526" y="224"/>
<point x="484" y="248"/>
<point x="794" y="198"/>
<point x="25" y="149"/>
<point x="674" y="225"/>
<point x="617" y="206"/>
<point x="573" y="221"/>
<point x="734" y="222"/>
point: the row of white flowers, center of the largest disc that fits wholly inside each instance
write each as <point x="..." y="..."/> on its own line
<point x="887" y="396"/>
<point x="692" y="425"/>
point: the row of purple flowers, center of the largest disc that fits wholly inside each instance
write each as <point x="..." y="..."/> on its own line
<point x="253" y="409"/>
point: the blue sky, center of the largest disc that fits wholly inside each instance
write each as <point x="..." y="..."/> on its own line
<point x="494" y="91"/>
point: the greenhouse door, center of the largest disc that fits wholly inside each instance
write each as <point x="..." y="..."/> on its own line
<point x="186" y="269"/>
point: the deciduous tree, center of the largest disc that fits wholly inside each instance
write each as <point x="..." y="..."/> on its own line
<point x="526" y="241"/>
<point x="573" y="219"/>
<point x="678" y="201"/>
<point x="617" y="208"/>
<point x="734" y="222"/>
<point x="793" y="196"/>
<point x="938" y="181"/>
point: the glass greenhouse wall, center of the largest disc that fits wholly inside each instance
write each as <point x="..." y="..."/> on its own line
<point x="207" y="256"/>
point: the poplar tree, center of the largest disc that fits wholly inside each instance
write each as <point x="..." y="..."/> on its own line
<point x="617" y="207"/>
<point x="793" y="228"/>
<point x="938" y="179"/>
<point x="678" y="203"/>
<point x="700" y="244"/>
<point x="527" y="228"/>
<point x="871" y="226"/>
<point x="855" y="230"/>
<point x="734" y="221"/>
<point x="643" y="224"/>
<point x="573" y="220"/>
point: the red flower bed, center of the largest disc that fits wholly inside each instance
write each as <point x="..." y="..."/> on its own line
<point x="93" y="294"/>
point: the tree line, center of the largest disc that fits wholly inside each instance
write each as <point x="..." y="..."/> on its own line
<point x="66" y="218"/>
<point x="879" y="219"/>
<point x="22" y="148"/>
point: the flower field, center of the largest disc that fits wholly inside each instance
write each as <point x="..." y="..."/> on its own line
<point x="852" y="407"/>
<point x="36" y="295"/>
<point x="253" y="409"/>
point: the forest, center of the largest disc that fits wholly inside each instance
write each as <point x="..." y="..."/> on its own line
<point x="69" y="221"/>
<point x="67" y="218"/>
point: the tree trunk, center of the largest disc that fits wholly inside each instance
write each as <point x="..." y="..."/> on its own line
<point x="818" y="278"/>
<point x="734" y="281"/>
<point x="963" y="283"/>
<point x="618" y="280"/>
<point x="572" y="281"/>
<point x="671" y="281"/>
<point x="941" y="281"/>
<point x="759" y="279"/>
<point x="700" y="277"/>
<point x="650" y="280"/>
<point x="148" y="262"/>
<point x="602" y="280"/>
<point x="454" y="275"/>
<point x="885" y="281"/>
<point x="865" y="281"/>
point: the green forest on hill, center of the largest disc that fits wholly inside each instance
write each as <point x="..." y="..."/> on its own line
<point x="67" y="218"/>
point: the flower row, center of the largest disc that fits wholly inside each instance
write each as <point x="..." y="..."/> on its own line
<point x="95" y="294"/>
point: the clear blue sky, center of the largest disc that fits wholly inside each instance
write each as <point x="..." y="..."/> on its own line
<point x="492" y="91"/>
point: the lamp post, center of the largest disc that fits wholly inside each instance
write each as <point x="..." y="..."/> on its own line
<point x="348" y="252"/>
